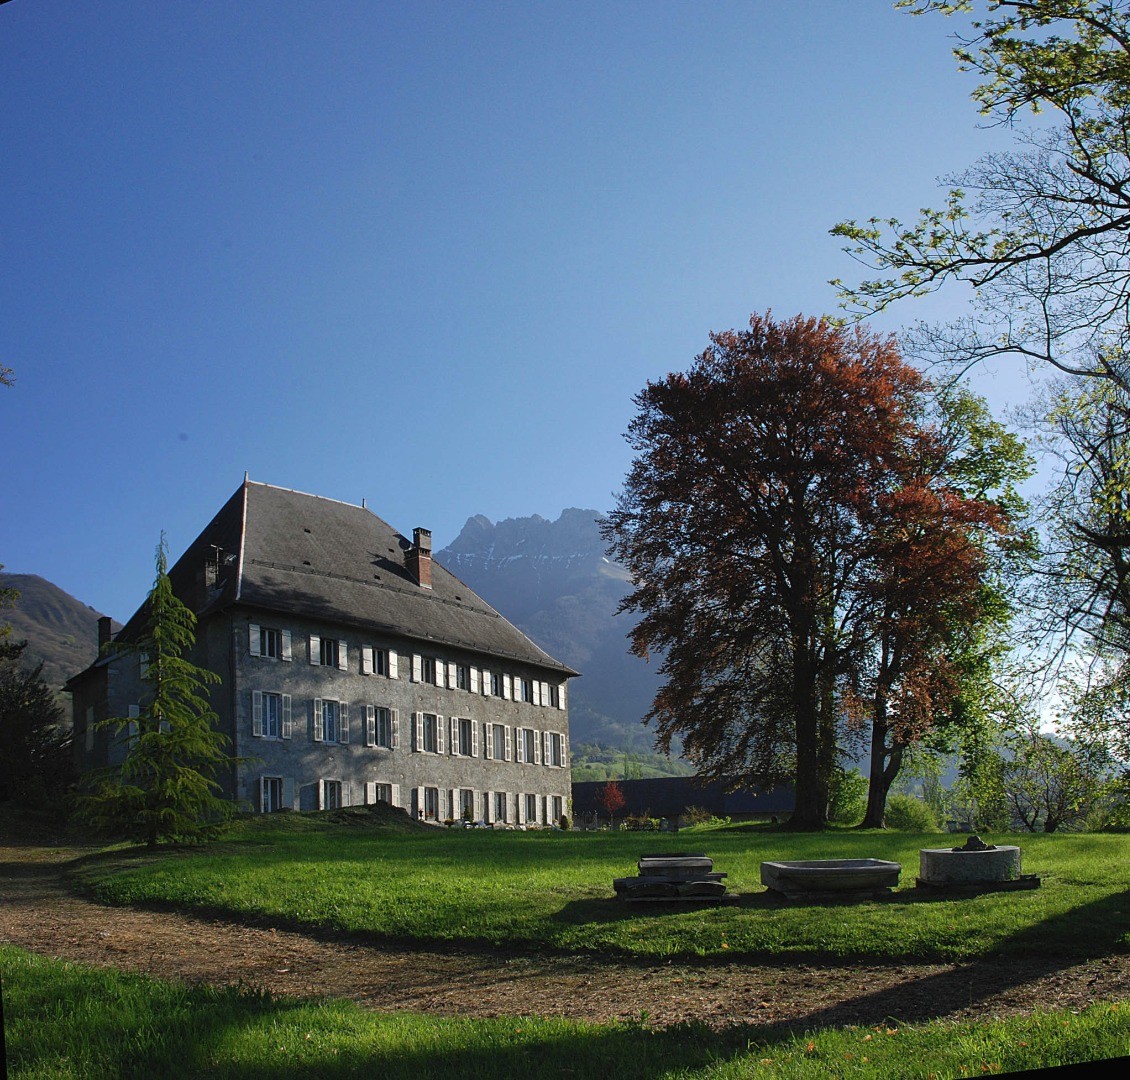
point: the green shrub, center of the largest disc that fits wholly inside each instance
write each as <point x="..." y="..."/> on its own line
<point x="563" y="824"/>
<point x="909" y="814"/>
<point x="847" y="800"/>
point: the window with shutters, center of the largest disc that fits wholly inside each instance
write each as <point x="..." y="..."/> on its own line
<point x="556" y="809"/>
<point x="431" y="804"/>
<point x="462" y="677"/>
<point x="500" y="806"/>
<point x="431" y="733"/>
<point x="331" y="795"/>
<point x="526" y="691"/>
<point x="272" y="716"/>
<point x="465" y="744"/>
<point x="555" y="695"/>
<point x="331" y="721"/>
<point x="271" y="794"/>
<point x="528" y="739"/>
<point x="496" y="683"/>
<point x="383" y="733"/>
<point x="428" y="669"/>
<point x="270" y="643"/>
<point x="383" y="792"/>
<point x="329" y="652"/>
<point x="467" y="805"/>
<point x="531" y="809"/>
<point x="556" y="747"/>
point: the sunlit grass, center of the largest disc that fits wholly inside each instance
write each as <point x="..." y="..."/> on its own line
<point x="539" y="890"/>
<point x="70" y="1022"/>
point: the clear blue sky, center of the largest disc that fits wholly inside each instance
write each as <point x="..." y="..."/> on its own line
<point x="418" y="253"/>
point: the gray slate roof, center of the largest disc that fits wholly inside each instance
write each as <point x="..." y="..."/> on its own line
<point x="305" y="555"/>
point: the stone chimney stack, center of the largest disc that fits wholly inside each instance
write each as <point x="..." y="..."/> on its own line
<point x="105" y="631"/>
<point x="419" y="558"/>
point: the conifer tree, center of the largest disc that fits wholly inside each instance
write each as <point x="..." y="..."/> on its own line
<point x="166" y="786"/>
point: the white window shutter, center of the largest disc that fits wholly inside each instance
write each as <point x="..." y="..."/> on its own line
<point x="488" y="741"/>
<point x="366" y="659"/>
<point x="392" y="665"/>
<point x="343" y="723"/>
<point x="257" y="712"/>
<point x="545" y="693"/>
<point x="315" y="654"/>
<point x="475" y="680"/>
<point x="287" y="720"/>
<point x="417" y="667"/>
<point x="286" y="652"/>
<point x="474" y="738"/>
<point x="417" y="731"/>
<point x="395" y="794"/>
<point x="486" y="682"/>
<point x="441" y="673"/>
<point x="564" y="752"/>
<point x="370" y="725"/>
<point x="520" y="749"/>
<point x="343" y="656"/>
<point x="546" y="750"/>
<point x="346" y="794"/>
<point x="262" y="794"/>
<point x="253" y="639"/>
<point x="537" y="747"/>
<point x="321" y="794"/>
<point x="561" y="696"/>
<point x="395" y="728"/>
<point x="318" y="731"/>
<point x="370" y="792"/>
<point x="506" y="729"/>
<point x="520" y="806"/>
<point x="506" y="685"/>
<point x="454" y="744"/>
<point x="451" y="675"/>
<point x="439" y="734"/>
<point x="535" y="692"/>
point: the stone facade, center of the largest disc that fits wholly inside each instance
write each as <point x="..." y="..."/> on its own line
<point x="330" y="694"/>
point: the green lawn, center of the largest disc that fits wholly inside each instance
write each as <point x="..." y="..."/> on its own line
<point x="70" y="1022"/>
<point x="550" y="890"/>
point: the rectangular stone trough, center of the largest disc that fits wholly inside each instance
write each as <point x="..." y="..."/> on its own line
<point x="679" y="875"/>
<point x="831" y="878"/>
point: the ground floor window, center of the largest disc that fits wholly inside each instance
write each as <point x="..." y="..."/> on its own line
<point x="556" y="808"/>
<point x="431" y="804"/>
<point x="500" y="806"/>
<point x="382" y="792"/>
<point x="331" y="795"/>
<point x="271" y="794"/>
<point x="532" y="809"/>
<point x="467" y="805"/>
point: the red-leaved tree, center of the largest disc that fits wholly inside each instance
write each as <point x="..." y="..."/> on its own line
<point x="790" y="530"/>
<point x="611" y="798"/>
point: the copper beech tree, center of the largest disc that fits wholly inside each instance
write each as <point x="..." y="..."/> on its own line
<point x="800" y="557"/>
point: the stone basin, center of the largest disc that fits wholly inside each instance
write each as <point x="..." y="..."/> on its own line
<point x="947" y="866"/>
<point x="830" y="876"/>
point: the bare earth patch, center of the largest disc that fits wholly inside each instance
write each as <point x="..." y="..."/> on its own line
<point x="40" y="913"/>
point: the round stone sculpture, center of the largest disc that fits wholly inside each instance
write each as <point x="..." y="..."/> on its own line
<point x="954" y="866"/>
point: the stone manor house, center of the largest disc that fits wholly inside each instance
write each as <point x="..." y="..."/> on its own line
<point x="354" y="669"/>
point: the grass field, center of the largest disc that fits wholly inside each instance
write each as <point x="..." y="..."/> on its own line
<point x="69" y="1022"/>
<point x="551" y="890"/>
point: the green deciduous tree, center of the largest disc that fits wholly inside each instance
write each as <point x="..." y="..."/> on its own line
<point x="1042" y="233"/>
<point x="1053" y="784"/>
<point x="796" y="546"/>
<point x="166" y="786"/>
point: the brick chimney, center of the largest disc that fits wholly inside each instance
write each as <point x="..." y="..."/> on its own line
<point x="419" y="558"/>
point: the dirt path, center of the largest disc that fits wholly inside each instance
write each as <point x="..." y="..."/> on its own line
<point x="40" y="913"/>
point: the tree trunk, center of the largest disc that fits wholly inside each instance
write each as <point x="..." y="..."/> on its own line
<point x="885" y="764"/>
<point x="811" y="807"/>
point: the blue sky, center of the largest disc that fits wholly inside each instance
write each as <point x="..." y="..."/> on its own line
<point x="422" y="254"/>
